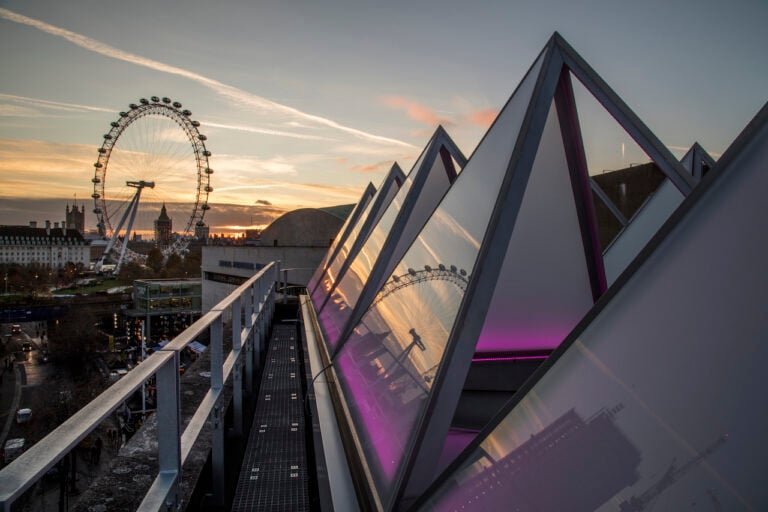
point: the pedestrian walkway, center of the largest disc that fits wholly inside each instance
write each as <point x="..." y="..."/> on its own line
<point x="274" y="474"/>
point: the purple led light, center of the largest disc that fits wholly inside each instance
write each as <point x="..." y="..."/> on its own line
<point x="514" y="339"/>
<point x="480" y="359"/>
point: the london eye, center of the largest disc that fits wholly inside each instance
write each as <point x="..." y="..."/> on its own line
<point x="153" y="157"/>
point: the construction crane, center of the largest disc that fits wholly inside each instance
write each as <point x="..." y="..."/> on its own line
<point x="672" y="475"/>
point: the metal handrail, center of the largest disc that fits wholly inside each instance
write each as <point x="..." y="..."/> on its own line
<point x="254" y="300"/>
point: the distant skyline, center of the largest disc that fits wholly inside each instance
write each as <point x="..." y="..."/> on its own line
<point x="304" y="103"/>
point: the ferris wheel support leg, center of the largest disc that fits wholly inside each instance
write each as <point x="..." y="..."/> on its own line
<point x="116" y="233"/>
<point x="134" y="207"/>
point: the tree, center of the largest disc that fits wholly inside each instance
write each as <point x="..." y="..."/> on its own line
<point x="192" y="264"/>
<point x="155" y="259"/>
<point x="174" y="266"/>
<point x="132" y="271"/>
<point x="75" y="338"/>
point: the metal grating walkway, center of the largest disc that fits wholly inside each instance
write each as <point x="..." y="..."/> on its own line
<point x="274" y="471"/>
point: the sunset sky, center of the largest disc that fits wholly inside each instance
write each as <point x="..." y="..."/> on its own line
<point x="305" y="102"/>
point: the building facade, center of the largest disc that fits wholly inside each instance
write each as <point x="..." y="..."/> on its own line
<point x="51" y="247"/>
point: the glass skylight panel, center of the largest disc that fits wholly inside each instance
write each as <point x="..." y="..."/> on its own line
<point x="357" y="236"/>
<point x="352" y="218"/>
<point x="658" y="401"/>
<point x="387" y="366"/>
<point x="338" y="309"/>
<point x="543" y="289"/>
<point x="640" y="229"/>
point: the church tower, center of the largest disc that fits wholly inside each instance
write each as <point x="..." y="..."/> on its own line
<point x="75" y="218"/>
<point x="163" y="229"/>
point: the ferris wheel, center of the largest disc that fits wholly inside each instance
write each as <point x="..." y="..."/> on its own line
<point x="153" y="160"/>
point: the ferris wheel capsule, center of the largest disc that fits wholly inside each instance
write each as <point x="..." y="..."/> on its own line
<point x="177" y="104"/>
<point x="166" y="100"/>
<point x="155" y="99"/>
<point x="144" y="101"/>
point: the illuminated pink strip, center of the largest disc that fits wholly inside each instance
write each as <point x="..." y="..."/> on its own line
<point x="507" y="358"/>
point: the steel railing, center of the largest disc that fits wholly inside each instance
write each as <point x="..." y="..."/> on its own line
<point x="249" y="308"/>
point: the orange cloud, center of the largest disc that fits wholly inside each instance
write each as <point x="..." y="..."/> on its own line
<point x="483" y="117"/>
<point x="416" y="111"/>
<point x="386" y="164"/>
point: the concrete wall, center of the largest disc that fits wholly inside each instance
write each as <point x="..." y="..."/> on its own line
<point x="242" y="262"/>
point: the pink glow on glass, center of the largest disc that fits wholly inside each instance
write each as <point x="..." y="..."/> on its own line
<point x="480" y="359"/>
<point x="508" y="338"/>
<point x="379" y="433"/>
<point x="455" y="442"/>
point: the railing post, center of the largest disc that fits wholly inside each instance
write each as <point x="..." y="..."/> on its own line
<point x="217" y="415"/>
<point x="237" y="378"/>
<point x="217" y="456"/>
<point x="258" y="303"/>
<point x="217" y="353"/>
<point x="169" y="426"/>
<point x="285" y="286"/>
<point x="249" y="297"/>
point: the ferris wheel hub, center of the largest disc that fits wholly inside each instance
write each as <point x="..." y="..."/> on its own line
<point x="140" y="184"/>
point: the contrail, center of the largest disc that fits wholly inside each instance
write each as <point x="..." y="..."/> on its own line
<point x="53" y="104"/>
<point x="233" y="93"/>
<point x="266" y="131"/>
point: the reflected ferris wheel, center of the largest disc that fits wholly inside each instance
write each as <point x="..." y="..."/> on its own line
<point x="153" y="157"/>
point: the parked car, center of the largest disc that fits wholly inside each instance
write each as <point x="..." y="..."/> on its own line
<point x="12" y="449"/>
<point x="23" y="416"/>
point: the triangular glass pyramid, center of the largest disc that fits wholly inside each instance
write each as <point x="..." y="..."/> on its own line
<point x="697" y="161"/>
<point x="358" y="234"/>
<point x="617" y="420"/>
<point x="423" y="189"/>
<point x="338" y="242"/>
<point x="385" y="370"/>
<point x="403" y="368"/>
<point x="651" y="215"/>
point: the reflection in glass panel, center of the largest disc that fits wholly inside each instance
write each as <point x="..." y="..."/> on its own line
<point x="543" y="289"/>
<point x="353" y="217"/>
<point x="655" y="405"/>
<point x="358" y="235"/>
<point x="617" y="163"/>
<point x="387" y="366"/>
<point x="338" y="309"/>
<point x="641" y="228"/>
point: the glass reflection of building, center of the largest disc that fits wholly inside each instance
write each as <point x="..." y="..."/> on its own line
<point x="562" y="456"/>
